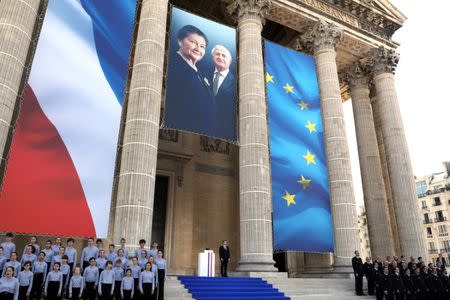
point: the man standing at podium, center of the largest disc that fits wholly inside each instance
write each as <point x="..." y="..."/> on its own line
<point x="224" y="254"/>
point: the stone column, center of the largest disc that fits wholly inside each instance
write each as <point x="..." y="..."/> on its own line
<point x="387" y="182"/>
<point x="254" y="170"/>
<point x="322" y="40"/>
<point x="134" y="205"/>
<point x="382" y="62"/>
<point x="18" y="19"/>
<point x="378" y="221"/>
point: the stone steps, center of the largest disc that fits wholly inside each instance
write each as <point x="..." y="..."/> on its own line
<point x="174" y="290"/>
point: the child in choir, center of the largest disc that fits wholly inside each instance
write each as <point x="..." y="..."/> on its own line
<point x="123" y="247"/>
<point x="76" y="285"/>
<point x="33" y="242"/>
<point x="58" y="258"/>
<point x="90" y="279"/>
<point x="2" y="260"/>
<point x="28" y="255"/>
<point x="147" y="282"/>
<point x="143" y="259"/>
<point x="121" y="256"/>
<point x="25" y="281"/>
<point x="111" y="254"/>
<point x="106" y="282"/>
<point x="135" y="271"/>
<point x="154" y="269"/>
<point x="153" y="250"/>
<point x="9" y="285"/>
<point x="56" y="245"/>
<point x="53" y="283"/>
<point x="39" y="275"/>
<point x="71" y="253"/>
<point x="101" y="261"/>
<point x="8" y="246"/>
<point x="127" y="286"/>
<point x="161" y="264"/>
<point x="118" y="275"/>
<point x="48" y="254"/>
<point x="137" y="252"/>
<point x="13" y="263"/>
<point x="88" y="252"/>
<point x="99" y="243"/>
<point x="65" y="270"/>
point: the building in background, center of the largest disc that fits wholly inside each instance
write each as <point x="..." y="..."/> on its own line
<point x="433" y="192"/>
<point x="363" y="234"/>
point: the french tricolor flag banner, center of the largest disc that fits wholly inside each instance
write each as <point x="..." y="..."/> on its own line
<point x="61" y="166"/>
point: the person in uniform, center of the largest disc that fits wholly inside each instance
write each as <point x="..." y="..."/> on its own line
<point x="118" y="276"/>
<point x="8" y="245"/>
<point x="138" y="250"/>
<point x="398" y="286"/>
<point x="409" y="286"/>
<point x="142" y="260"/>
<point x="88" y="252"/>
<point x="14" y="264"/>
<point x="154" y="269"/>
<point x="386" y="284"/>
<point x="135" y="271"/>
<point x="106" y="282"/>
<point x="35" y="246"/>
<point x="76" y="284"/>
<point x="121" y="256"/>
<point x="368" y="272"/>
<point x="90" y="279"/>
<point x="28" y="256"/>
<point x="48" y="254"/>
<point x="53" y="283"/>
<point x="147" y="282"/>
<point x="58" y="258"/>
<point x="161" y="264"/>
<point x="40" y="269"/>
<point x="9" y="285"/>
<point x="127" y="286"/>
<point x="25" y="281"/>
<point x="358" y="271"/>
<point x="419" y="284"/>
<point x="2" y="260"/>
<point x="56" y="245"/>
<point x="65" y="270"/>
<point x="153" y="249"/>
<point x="123" y="243"/>
<point x="71" y="253"/>
<point x="111" y="253"/>
<point x="101" y="261"/>
<point x="376" y="277"/>
<point x="437" y="289"/>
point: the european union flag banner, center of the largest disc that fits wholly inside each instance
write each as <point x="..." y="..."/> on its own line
<point x="301" y="201"/>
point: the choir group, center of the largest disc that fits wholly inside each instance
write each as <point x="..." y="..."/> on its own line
<point x="55" y="273"/>
<point x="395" y="278"/>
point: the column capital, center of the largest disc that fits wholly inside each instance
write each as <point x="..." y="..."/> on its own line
<point x="258" y="9"/>
<point x="323" y="35"/>
<point x="380" y="60"/>
<point x="357" y="77"/>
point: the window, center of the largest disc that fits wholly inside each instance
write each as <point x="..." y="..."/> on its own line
<point x="421" y="188"/>
<point x="431" y="246"/>
<point x="426" y="219"/>
<point x="442" y="229"/>
<point x="439" y="216"/>
<point x="445" y="246"/>
<point x="424" y="204"/>
<point x="437" y="201"/>
<point x="429" y="230"/>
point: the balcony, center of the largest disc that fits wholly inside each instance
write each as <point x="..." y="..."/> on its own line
<point x="445" y="250"/>
<point x="443" y="219"/>
<point x="432" y="251"/>
<point x="437" y="203"/>
<point x="443" y="234"/>
<point x="430" y="236"/>
<point x="424" y="207"/>
<point x="427" y="221"/>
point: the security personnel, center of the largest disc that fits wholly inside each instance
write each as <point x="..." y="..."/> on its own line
<point x="358" y="272"/>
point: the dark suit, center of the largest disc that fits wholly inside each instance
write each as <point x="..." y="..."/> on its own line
<point x="189" y="101"/>
<point x="358" y="270"/>
<point x="440" y="262"/>
<point x="224" y="254"/>
<point x="369" y="273"/>
<point x="225" y="101"/>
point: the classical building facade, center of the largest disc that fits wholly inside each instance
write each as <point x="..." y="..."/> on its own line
<point x="363" y="234"/>
<point x="189" y="191"/>
<point x="434" y="201"/>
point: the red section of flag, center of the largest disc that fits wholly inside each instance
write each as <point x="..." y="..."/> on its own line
<point x="42" y="193"/>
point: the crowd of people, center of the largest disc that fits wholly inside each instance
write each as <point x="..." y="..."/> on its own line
<point x="396" y="278"/>
<point x="54" y="271"/>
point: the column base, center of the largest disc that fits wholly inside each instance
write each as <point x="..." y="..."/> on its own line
<point x="256" y="267"/>
<point x="259" y="274"/>
<point x="343" y="269"/>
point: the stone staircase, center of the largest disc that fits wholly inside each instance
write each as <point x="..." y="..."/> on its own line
<point x="317" y="288"/>
<point x="174" y="290"/>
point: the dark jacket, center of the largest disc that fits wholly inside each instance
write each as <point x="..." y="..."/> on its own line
<point x="397" y="284"/>
<point x="224" y="253"/>
<point x="357" y="266"/>
<point x="409" y="285"/>
<point x="386" y="284"/>
<point x="368" y="271"/>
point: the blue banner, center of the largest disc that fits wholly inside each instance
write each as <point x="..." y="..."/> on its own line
<point x="301" y="201"/>
<point x="201" y="79"/>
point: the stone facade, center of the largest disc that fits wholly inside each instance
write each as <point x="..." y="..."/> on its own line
<point x="235" y="203"/>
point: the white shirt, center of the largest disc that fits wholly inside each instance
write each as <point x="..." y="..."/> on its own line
<point x="223" y="74"/>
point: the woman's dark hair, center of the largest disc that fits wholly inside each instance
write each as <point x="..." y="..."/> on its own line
<point x="57" y="263"/>
<point x="190" y="29"/>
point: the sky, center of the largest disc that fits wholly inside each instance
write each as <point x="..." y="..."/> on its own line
<point x="422" y="83"/>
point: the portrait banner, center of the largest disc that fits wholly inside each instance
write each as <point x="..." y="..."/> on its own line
<point x="301" y="202"/>
<point x="61" y="167"/>
<point x="201" y="94"/>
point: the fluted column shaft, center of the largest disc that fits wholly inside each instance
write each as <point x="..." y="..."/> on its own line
<point x="17" y="22"/>
<point x="410" y="230"/>
<point x="254" y="170"/>
<point x="134" y="204"/>
<point x="343" y="207"/>
<point x="378" y="221"/>
<point x="387" y="182"/>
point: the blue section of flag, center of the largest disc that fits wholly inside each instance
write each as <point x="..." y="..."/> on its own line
<point x="113" y="21"/>
<point x="291" y="81"/>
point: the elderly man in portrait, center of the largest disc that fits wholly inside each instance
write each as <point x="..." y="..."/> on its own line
<point x="223" y="87"/>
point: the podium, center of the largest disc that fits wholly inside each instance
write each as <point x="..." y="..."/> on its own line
<point x="206" y="264"/>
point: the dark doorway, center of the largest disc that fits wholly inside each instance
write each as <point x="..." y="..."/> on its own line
<point x="159" y="210"/>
